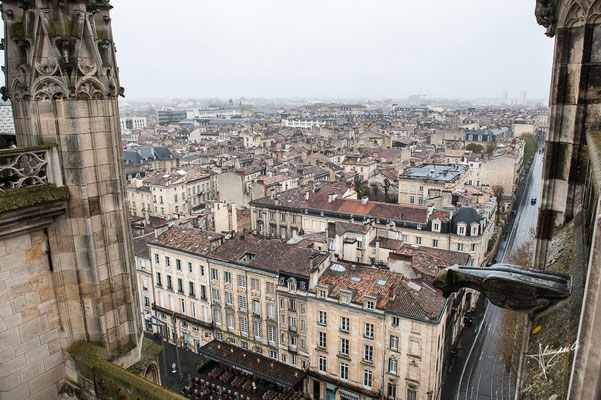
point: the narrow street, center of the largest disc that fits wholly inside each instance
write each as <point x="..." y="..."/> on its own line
<point x="484" y="374"/>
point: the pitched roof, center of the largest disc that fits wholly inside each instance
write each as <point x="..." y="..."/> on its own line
<point x="268" y="255"/>
<point x="189" y="240"/>
<point x="372" y="209"/>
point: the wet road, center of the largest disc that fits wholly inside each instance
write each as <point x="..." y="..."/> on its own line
<point x="485" y="375"/>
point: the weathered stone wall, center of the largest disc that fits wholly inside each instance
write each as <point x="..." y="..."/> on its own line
<point x="68" y="97"/>
<point x="31" y="355"/>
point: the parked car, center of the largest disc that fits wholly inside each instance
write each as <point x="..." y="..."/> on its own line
<point x="533" y="201"/>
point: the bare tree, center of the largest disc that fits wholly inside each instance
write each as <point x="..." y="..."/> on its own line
<point x="386" y="188"/>
<point x="511" y="323"/>
<point x="375" y="186"/>
<point x="498" y="191"/>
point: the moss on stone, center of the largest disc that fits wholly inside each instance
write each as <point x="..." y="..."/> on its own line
<point x="26" y="149"/>
<point x="150" y="351"/>
<point x="112" y="380"/>
<point x="14" y="199"/>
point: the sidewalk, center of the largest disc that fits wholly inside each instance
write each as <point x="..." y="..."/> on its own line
<point x="188" y="360"/>
<point x="452" y="375"/>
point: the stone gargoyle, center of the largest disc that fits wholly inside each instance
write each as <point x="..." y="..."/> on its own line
<point x="508" y="286"/>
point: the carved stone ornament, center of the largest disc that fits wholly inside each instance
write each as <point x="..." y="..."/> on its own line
<point x="546" y="15"/>
<point x="59" y="52"/>
<point x="508" y="286"/>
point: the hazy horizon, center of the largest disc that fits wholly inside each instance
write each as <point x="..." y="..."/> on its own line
<point x="384" y="49"/>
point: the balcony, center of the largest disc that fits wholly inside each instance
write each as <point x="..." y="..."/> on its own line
<point x="31" y="188"/>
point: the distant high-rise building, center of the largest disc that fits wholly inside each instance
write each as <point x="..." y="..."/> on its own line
<point x="523" y="97"/>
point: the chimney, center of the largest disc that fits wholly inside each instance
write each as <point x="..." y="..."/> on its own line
<point x="241" y="237"/>
<point x="332" y="197"/>
<point x="364" y="200"/>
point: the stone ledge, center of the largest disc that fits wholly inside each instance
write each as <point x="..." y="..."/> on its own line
<point x="14" y="199"/>
<point x="110" y="380"/>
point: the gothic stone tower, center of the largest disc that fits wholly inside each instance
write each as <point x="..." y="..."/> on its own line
<point x="62" y="80"/>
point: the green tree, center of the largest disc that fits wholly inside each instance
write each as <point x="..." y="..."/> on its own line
<point x="475" y="147"/>
<point x="491" y="147"/>
<point x="529" y="147"/>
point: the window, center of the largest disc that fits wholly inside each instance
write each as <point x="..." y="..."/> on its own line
<point x="292" y="305"/>
<point x="271" y="334"/>
<point x="344" y="346"/>
<point x="391" y="391"/>
<point x="229" y="299"/>
<point x="282" y="217"/>
<point x="203" y="292"/>
<point x="293" y="219"/>
<point x="411" y="199"/>
<point x="459" y="246"/>
<point x="404" y="238"/>
<point x="214" y="274"/>
<point x="367" y="378"/>
<point x="241" y="281"/>
<point x="345" y="324"/>
<point x="322" y="293"/>
<point x="395" y="322"/>
<point x="293" y="359"/>
<point x="159" y="283"/>
<point x="393" y="366"/>
<point x="270" y="288"/>
<point x="344" y="299"/>
<point x="421" y="188"/>
<point x="146" y="301"/>
<point x="190" y="267"/>
<point x="436" y="227"/>
<point x="227" y="277"/>
<point x="191" y="288"/>
<point x="243" y="326"/>
<point x="323" y="318"/>
<point x="256" y="307"/>
<point x="343" y="372"/>
<point x="216" y="295"/>
<point x="369" y="305"/>
<point x="271" y="216"/>
<point x="245" y="345"/>
<point x="178" y="264"/>
<point x="167" y="261"/>
<point x="462" y="230"/>
<point x="292" y="285"/>
<point x="322" y="364"/>
<point x="473" y="247"/>
<point x="368" y="353"/>
<point x="180" y="285"/>
<point x="359" y="243"/>
<point x="434" y="242"/>
<point x="156" y="259"/>
<point x="411" y="394"/>
<point x="322" y="340"/>
<point x="169" y="285"/>
<point x="201" y="269"/>
<point x="394" y="342"/>
<point x="273" y="354"/>
<point x="217" y="314"/>
<point x="418" y="240"/>
<point x="293" y="340"/>
<point x="292" y="323"/>
<point x="242" y="303"/>
<point x="257" y="329"/>
<point x="271" y="311"/>
<point x="230" y="321"/>
<point x="254" y="284"/>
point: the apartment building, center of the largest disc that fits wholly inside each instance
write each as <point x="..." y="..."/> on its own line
<point x="463" y="228"/>
<point x="362" y="167"/>
<point x="144" y="277"/>
<point x="182" y="284"/>
<point x="375" y="335"/>
<point x="131" y="123"/>
<point x="169" y="195"/>
<point x="419" y="185"/>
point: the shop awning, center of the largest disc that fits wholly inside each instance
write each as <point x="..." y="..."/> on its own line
<point x="253" y="363"/>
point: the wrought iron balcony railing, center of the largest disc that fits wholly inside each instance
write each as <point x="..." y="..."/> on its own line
<point x="23" y="167"/>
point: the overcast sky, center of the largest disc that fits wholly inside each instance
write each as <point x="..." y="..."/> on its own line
<point x="330" y="48"/>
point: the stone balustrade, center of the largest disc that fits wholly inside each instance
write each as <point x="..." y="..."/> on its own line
<point x="24" y="167"/>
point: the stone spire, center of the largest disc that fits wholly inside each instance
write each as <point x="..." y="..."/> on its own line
<point x="62" y="79"/>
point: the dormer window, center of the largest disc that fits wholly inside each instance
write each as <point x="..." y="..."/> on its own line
<point x="322" y="293"/>
<point x="369" y="305"/>
<point x="292" y="285"/>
